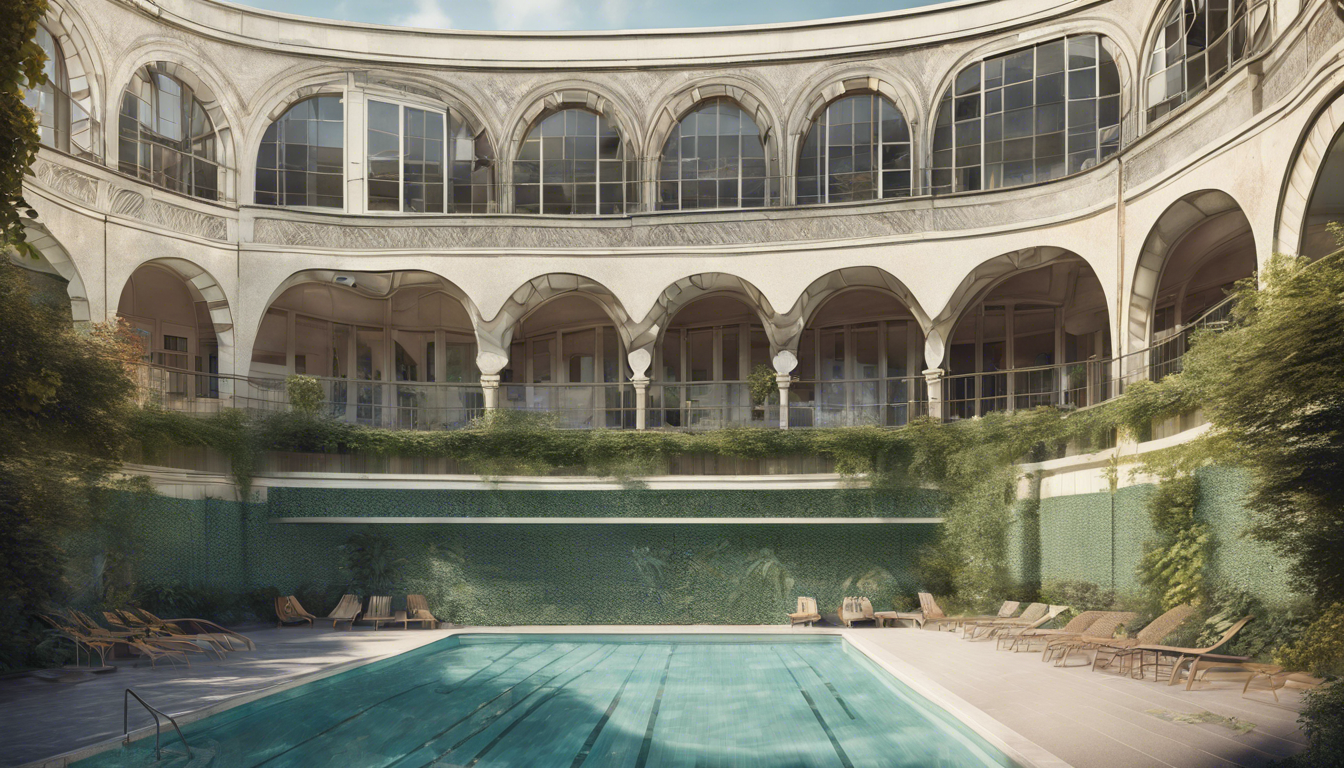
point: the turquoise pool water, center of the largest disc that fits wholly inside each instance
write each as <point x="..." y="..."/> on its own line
<point x="543" y="701"/>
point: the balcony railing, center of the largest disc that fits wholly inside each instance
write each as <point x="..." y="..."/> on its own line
<point x="575" y="406"/>
<point x="859" y="402"/>
<point x="885" y="402"/>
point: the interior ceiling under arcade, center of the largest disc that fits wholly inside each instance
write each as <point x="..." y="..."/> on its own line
<point x="417" y="300"/>
<point x="859" y="306"/>
<point x="1205" y="263"/>
<point x="714" y="310"/>
<point x="566" y="311"/>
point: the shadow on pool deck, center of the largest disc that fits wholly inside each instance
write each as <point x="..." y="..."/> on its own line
<point x="1087" y="719"/>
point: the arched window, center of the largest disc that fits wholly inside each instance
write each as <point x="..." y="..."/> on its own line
<point x="425" y="161"/>
<point x="572" y="162"/>
<point x="62" y="123"/>
<point x="1028" y="116"/>
<point x="166" y="137"/>
<point x="715" y="158"/>
<point x="302" y="157"/>
<point x="858" y="149"/>
<point x="1200" y="42"/>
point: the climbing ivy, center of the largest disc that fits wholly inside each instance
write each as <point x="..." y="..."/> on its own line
<point x="21" y="61"/>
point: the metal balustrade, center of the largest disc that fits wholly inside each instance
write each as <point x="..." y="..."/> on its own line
<point x="575" y="406"/>
<point x="886" y="402"/>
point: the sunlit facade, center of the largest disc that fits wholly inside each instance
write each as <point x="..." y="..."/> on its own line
<point x="625" y="232"/>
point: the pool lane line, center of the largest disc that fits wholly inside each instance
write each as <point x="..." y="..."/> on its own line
<point x="402" y="692"/>
<point x="601" y="723"/>
<point x="829" y="686"/>
<point x="542" y="702"/>
<point x="485" y="704"/>
<point x="647" y="746"/>
<point x="839" y="750"/>
<point x="317" y="687"/>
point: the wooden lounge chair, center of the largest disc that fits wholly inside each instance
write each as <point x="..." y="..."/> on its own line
<point x="1060" y="648"/>
<point x="854" y="609"/>
<point x="1108" y="650"/>
<point x="417" y="610"/>
<point x="198" y="627"/>
<point x="86" y="632"/>
<point x="1006" y="611"/>
<point x="90" y="645"/>
<point x="379" y="612"/>
<point x="928" y="612"/>
<point x="1179" y="657"/>
<point x="289" y="611"/>
<point x="346" y="610"/>
<point x="806" y="612"/>
<point x="1031" y="617"/>
<point x="1021" y="638"/>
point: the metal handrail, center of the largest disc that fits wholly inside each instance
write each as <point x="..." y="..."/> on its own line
<point x="126" y="721"/>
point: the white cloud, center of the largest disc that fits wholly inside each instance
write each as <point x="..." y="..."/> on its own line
<point x="536" y="14"/>
<point x="427" y="15"/>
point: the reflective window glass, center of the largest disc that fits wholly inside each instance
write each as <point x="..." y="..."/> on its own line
<point x="715" y="158"/>
<point x="858" y="149"/>
<point x="165" y="135"/>
<point x="301" y="161"/>
<point x="572" y="162"/>
<point x="1028" y="116"/>
<point x="1200" y="42"/>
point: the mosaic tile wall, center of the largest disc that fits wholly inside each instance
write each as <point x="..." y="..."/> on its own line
<point x="638" y="573"/>
<point x="1076" y="540"/>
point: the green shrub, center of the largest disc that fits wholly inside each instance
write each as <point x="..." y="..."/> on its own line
<point x="763" y="385"/>
<point x="1320" y="648"/>
<point x="305" y="394"/>
<point x="1271" y="627"/>
<point x="371" y="561"/>
<point x="1172" y="567"/>
<point x="1323" y="721"/>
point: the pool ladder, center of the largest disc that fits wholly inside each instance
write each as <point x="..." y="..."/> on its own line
<point x="156" y="714"/>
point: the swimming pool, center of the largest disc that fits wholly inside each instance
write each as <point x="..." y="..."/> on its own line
<point x="644" y="701"/>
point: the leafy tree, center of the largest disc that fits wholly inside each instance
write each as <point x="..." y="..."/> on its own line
<point x="64" y="405"/>
<point x="21" y="60"/>
<point x="1273" y="383"/>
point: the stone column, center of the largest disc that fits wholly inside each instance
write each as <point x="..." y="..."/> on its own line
<point x="934" y="377"/>
<point x="641" y="402"/>
<point x="783" y="380"/>
<point x="490" y="389"/>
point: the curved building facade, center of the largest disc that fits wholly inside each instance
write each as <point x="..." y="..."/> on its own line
<point x="977" y="206"/>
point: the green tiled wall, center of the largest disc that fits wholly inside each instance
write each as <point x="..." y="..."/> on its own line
<point x="1076" y="541"/>
<point x="538" y="573"/>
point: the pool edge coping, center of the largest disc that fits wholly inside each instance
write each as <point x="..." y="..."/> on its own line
<point x="1018" y="748"/>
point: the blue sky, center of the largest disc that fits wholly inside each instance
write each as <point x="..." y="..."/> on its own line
<point x="578" y="14"/>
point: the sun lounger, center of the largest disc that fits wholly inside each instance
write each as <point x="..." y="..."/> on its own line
<point x="1022" y="638"/>
<point x="1006" y="611"/>
<point x="289" y="611"/>
<point x="1108" y="650"/>
<point x="199" y="627"/>
<point x="928" y="611"/>
<point x="379" y="612"/>
<point x="1031" y="615"/>
<point x="1060" y="649"/>
<point x="1179" y="657"/>
<point x="417" y="610"/>
<point x="854" y="609"/>
<point x="84" y="631"/>
<point x="346" y="610"/>
<point x="806" y="613"/>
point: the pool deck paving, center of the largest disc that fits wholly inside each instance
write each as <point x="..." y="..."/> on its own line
<point x="1047" y="715"/>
